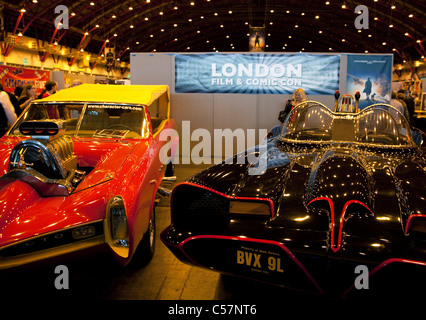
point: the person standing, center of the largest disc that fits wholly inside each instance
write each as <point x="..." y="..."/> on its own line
<point x="51" y="87"/>
<point x="7" y="113"/>
<point x="27" y="96"/>
<point x="299" y="96"/>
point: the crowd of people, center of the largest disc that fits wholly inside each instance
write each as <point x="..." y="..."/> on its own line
<point x="14" y="103"/>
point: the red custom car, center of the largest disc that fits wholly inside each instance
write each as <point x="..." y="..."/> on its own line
<point x="81" y="169"/>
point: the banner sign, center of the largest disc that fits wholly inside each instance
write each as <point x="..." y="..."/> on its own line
<point x="371" y="75"/>
<point x="257" y="39"/>
<point x="257" y="73"/>
<point x="12" y="77"/>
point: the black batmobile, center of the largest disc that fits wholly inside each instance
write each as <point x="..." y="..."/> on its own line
<point x="334" y="203"/>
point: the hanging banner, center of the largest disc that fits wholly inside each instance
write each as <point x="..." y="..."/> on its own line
<point x="371" y="76"/>
<point x="257" y="39"/>
<point x="11" y="77"/>
<point x="109" y="56"/>
<point x="257" y="73"/>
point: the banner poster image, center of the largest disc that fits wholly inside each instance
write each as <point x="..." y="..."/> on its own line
<point x="257" y="73"/>
<point x="109" y="56"/>
<point x="11" y="77"/>
<point x="371" y="75"/>
<point x="257" y="39"/>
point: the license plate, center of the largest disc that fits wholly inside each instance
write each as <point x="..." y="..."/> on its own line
<point x="259" y="260"/>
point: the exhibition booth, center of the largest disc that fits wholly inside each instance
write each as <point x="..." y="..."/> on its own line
<point x="214" y="91"/>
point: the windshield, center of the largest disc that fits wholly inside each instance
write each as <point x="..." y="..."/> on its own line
<point x="379" y="124"/>
<point x="91" y="119"/>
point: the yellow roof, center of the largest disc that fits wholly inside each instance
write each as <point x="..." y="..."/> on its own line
<point x="132" y="94"/>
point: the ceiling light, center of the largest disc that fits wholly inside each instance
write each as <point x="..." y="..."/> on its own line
<point x="92" y="3"/>
<point x="410" y="15"/>
<point x="393" y="7"/>
<point x="130" y="8"/>
<point x="23" y="10"/>
<point x="114" y="16"/>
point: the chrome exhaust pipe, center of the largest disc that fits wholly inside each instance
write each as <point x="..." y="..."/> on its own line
<point x="164" y="192"/>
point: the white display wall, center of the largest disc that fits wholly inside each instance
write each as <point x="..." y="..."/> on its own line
<point x="216" y="110"/>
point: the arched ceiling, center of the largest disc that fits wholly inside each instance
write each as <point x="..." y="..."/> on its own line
<point x="222" y="25"/>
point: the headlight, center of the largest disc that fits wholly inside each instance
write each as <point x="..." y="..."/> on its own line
<point x="117" y="226"/>
<point x="249" y="208"/>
